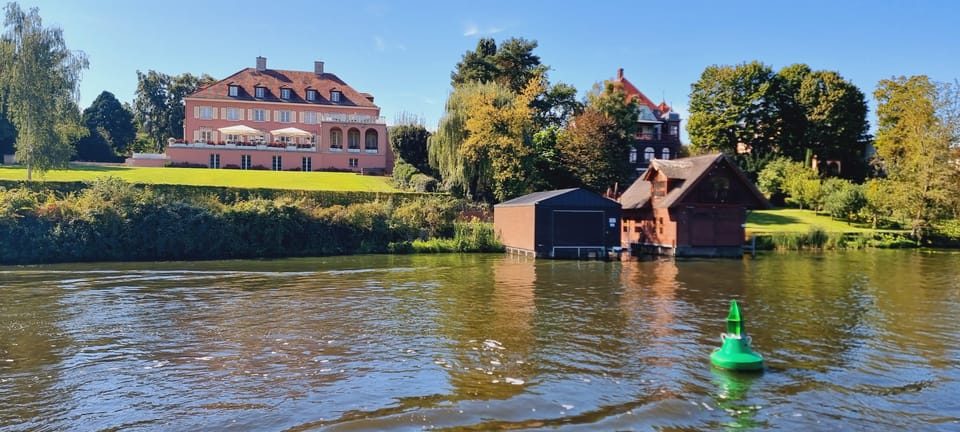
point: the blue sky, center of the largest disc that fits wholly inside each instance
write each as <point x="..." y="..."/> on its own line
<point x="403" y="52"/>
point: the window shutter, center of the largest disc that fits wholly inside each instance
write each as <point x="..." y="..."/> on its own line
<point x="240" y="114"/>
<point x="302" y="115"/>
<point x="214" y="112"/>
<point x="196" y="135"/>
<point x="266" y="115"/>
<point x="196" y="112"/>
<point x="223" y="113"/>
<point x="276" y="115"/>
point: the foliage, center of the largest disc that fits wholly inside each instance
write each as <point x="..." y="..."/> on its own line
<point x="8" y="133"/>
<point x="499" y="136"/>
<point x="111" y="130"/>
<point x="733" y="106"/>
<point x="843" y="199"/>
<point x="512" y="65"/>
<point x="801" y="185"/>
<point x="771" y="180"/>
<point x="409" y="142"/>
<point x="470" y="236"/>
<point x="159" y="107"/>
<point x="484" y="147"/>
<point x="917" y="124"/>
<point x="39" y="80"/>
<point x="592" y="150"/>
<point x="825" y="115"/>
<point x="796" y="113"/>
<point x="110" y="219"/>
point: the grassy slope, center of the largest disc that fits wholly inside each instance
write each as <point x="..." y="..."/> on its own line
<point x="332" y="181"/>
<point x="794" y="220"/>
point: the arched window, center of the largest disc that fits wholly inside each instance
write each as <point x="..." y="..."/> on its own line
<point x="370" y="141"/>
<point x="648" y="153"/>
<point x="353" y="140"/>
<point x="665" y="153"/>
<point x="336" y="139"/>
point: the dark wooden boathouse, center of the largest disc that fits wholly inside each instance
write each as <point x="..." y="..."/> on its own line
<point x="566" y="223"/>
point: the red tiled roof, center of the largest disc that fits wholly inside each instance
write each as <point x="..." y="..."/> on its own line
<point x="273" y="80"/>
<point x="632" y="91"/>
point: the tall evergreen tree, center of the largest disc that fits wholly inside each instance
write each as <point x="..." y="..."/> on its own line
<point x="111" y="130"/>
<point x="39" y="79"/>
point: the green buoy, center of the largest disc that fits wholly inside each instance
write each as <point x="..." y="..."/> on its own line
<point x="735" y="353"/>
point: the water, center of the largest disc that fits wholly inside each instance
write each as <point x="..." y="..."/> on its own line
<point x="853" y="341"/>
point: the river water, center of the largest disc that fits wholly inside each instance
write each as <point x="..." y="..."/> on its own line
<point x="866" y="340"/>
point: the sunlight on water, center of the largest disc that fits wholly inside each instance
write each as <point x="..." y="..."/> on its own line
<point x="860" y="340"/>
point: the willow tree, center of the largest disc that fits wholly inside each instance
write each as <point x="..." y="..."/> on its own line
<point x="483" y="148"/>
<point x="917" y="125"/>
<point x="39" y="80"/>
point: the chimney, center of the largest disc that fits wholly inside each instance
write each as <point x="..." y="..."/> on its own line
<point x="261" y="64"/>
<point x="620" y="74"/>
<point x="318" y="68"/>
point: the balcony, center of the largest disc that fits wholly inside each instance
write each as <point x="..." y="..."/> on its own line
<point x="275" y="146"/>
<point x="352" y="118"/>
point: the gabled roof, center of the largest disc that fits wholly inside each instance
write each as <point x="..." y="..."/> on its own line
<point x="687" y="172"/>
<point x="632" y="91"/>
<point x="572" y="196"/>
<point x="273" y="80"/>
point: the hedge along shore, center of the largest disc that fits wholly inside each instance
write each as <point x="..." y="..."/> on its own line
<point x="112" y="220"/>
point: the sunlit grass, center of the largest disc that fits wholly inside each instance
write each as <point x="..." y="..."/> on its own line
<point x="330" y="181"/>
<point x="795" y="220"/>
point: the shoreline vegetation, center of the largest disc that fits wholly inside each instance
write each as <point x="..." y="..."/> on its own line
<point x="110" y="219"/>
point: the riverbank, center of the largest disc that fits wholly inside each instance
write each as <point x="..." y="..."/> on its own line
<point x="795" y="229"/>
<point x="112" y="220"/>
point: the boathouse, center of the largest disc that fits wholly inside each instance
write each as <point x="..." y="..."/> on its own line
<point x="566" y="223"/>
<point x="695" y="206"/>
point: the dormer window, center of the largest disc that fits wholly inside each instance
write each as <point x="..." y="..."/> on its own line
<point x="335" y="95"/>
<point x="285" y="93"/>
<point x="233" y="90"/>
<point x="311" y="95"/>
<point x="260" y="92"/>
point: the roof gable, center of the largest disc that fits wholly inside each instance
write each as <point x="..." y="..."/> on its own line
<point x="689" y="173"/>
<point x="298" y="82"/>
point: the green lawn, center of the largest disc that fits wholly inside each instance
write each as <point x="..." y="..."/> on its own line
<point x="331" y="181"/>
<point x="794" y="220"/>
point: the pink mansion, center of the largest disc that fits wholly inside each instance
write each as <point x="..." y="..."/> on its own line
<point x="261" y="118"/>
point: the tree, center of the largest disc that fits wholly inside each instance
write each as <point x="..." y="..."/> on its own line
<point x="917" y="123"/>
<point x="734" y="107"/>
<point x="749" y="111"/>
<point x="489" y="147"/>
<point x="834" y="123"/>
<point x="771" y="180"/>
<point x="513" y="64"/>
<point x="8" y="135"/>
<point x="159" y="107"/>
<point x="39" y="80"/>
<point x="842" y="199"/>
<point x="592" y="150"/>
<point x="409" y="142"/>
<point x="111" y="130"/>
<point x="500" y="132"/>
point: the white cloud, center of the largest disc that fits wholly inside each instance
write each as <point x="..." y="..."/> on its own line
<point x="472" y="29"/>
